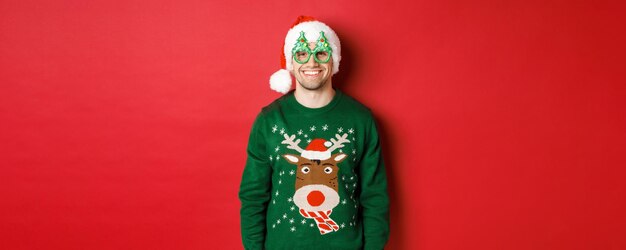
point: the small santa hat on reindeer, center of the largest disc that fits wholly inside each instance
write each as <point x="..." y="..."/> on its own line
<point x="317" y="150"/>
<point x="281" y="80"/>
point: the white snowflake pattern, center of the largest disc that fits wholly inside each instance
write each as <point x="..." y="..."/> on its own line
<point x="343" y="202"/>
<point x="292" y="208"/>
<point x="303" y="221"/>
<point x="343" y="177"/>
<point x="300" y="132"/>
<point x="277" y="148"/>
<point x="293" y="229"/>
<point x="280" y="181"/>
<point x="291" y="221"/>
<point x="325" y="127"/>
<point x="273" y="201"/>
<point x="278" y="221"/>
<point x="282" y="131"/>
<point x="274" y="128"/>
<point x="308" y="141"/>
<point x="311" y="225"/>
<point x="292" y="172"/>
<point x="312" y="128"/>
<point x="271" y="158"/>
<point x="340" y="129"/>
<point x="306" y="136"/>
<point x="290" y="199"/>
<point x="281" y="173"/>
<point x="273" y="225"/>
<point x="343" y="225"/>
<point x="285" y="216"/>
<point x="276" y="192"/>
<point x="351" y="131"/>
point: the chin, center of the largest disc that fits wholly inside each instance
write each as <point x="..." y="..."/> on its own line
<point x="312" y="86"/>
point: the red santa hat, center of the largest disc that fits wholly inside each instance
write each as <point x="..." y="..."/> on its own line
<point x="317" y="150"/>
<point x="281" y="80"/>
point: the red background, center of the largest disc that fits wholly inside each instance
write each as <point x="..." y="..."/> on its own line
<point x="124" y="123"/>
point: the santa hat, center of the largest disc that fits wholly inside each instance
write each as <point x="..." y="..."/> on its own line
<point x="281" y="79"/>
<point x="317" y="150"/>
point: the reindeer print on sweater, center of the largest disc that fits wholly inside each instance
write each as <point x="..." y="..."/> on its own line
<point x="314" y="178"/>
<point x="315" y="167"/>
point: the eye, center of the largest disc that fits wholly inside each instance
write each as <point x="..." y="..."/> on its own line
<point x="328" y="170"/>
<point x="305" y="170"/>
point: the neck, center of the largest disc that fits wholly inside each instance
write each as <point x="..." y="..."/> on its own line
<point x="314" y="98"/>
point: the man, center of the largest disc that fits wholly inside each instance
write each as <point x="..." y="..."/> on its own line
<point x="314" y="177"/>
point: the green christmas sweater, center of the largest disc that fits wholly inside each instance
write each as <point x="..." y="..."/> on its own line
<point x="314" y="178"/>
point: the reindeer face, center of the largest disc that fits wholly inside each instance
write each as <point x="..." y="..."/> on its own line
<point x="316" y="182"/>
<point x="316" y="171"/>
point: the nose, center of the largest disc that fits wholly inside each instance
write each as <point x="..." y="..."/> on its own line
<point x="315" y="198"/>
<point x="311" y="63"/>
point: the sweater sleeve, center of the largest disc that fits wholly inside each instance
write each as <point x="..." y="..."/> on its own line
<point x="374" y="198"/>
<point x="255" y="188"/>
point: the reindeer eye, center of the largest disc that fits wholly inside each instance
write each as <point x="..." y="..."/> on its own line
<point x="328" y="170"/>
<point x="305" y="170"/>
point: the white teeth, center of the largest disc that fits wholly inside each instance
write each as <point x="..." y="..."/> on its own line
<point x="311" y="72"/>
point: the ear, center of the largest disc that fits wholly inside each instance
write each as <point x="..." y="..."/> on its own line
<point x="293" y="159"/>
<point x="339" y="157"/>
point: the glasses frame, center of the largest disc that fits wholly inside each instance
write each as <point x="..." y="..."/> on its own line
<point x="321" y="45"/>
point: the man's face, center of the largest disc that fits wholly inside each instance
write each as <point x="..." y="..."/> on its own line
<point x="312" y="75"/>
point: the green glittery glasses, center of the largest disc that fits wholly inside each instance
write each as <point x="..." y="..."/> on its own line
<point x="302" y="53"/>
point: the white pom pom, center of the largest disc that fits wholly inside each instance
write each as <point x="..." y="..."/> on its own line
<point x="328" y="144"/>
<point x="281" y="81"/>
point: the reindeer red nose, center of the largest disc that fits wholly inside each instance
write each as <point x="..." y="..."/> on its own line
<point x="315" y="198"/>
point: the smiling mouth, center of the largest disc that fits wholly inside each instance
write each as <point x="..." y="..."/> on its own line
<point x="311" y="73"/>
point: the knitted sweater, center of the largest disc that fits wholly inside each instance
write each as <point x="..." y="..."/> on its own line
<point x="314" y="178"/>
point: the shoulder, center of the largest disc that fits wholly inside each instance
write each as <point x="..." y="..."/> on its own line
<point x="356" y="107"/>
<point x="264" y="115"/>
<point x="276" y="105"/>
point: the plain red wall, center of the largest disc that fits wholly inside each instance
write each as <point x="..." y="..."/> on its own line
<point x="124" y="123"/>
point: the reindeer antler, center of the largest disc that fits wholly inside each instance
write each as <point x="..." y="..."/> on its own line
<point x="338" y="143"/>
<point x="291" y="144"/>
